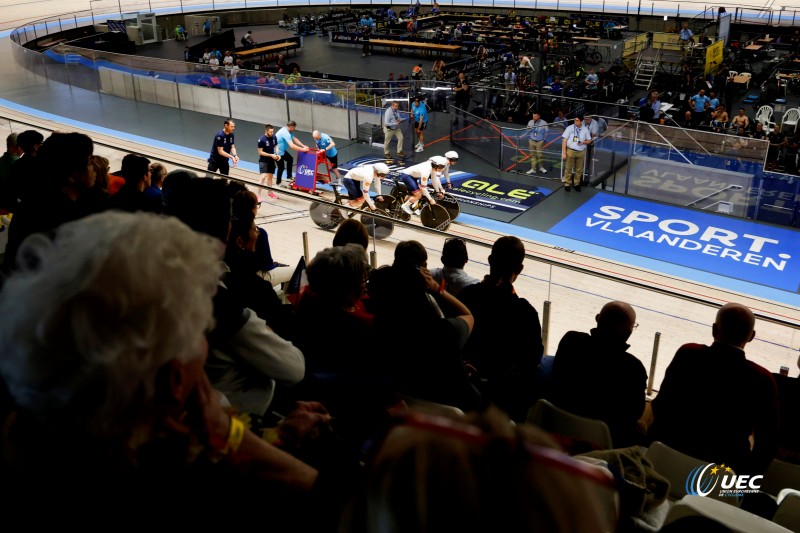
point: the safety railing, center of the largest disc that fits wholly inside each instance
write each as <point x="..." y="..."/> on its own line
<point x="571" y="287"/>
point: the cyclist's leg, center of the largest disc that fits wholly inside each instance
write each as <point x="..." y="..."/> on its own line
<point x="353" y="190"/>
<point x="414" y="193"/>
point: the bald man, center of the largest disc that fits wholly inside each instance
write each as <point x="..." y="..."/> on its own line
<point x="595" y="376"/>
<point x="713" y="399"/>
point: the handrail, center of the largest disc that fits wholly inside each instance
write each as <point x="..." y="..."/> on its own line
<point x="242" y="176"/>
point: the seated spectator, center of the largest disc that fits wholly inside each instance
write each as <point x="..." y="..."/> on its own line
<point x="351" y="231"/>
<point x="21" y="177"/>
<point x="452" y="276"/>
<point x="108" y="385"/>
<point x="719" y="119"/>
<point x="594" y="375"/>
<point x="688" y="120"/>
<point x="248" y="40"/>
<point x="244" y="202"/>
<point x="337" y="280"/>
<point x="131" y="197"/>
<point x="789" y="408"/>
<point x="741" y="120"/>
<point x="157" y="174"/>
<point x="759" y="132"/>
<point x="479" y="473"/>
<point x="62" y="176"/>
<point x="243" y="280"/>
<point x="13" y="152"/>
<point x="719" y="431"/>
<point x="98" y="196"/>
<point x="508" y="376"/>
<point x="246" y="358"/>
<point x="777" y="140"/>
<point x="405" y="299"/>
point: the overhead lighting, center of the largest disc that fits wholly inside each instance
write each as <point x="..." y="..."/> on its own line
<point x="395" y="99"/>
<point x="320" y="92"/>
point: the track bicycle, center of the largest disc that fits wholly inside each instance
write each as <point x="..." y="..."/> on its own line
<point x="329" y="217"/>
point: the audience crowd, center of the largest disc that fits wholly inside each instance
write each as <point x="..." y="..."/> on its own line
<point x="145" y="350"/>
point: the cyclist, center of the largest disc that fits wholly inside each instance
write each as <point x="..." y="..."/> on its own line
<point x="452" y="159"/>
<point x="422" y="172"/>
<point x="364" y="174"/>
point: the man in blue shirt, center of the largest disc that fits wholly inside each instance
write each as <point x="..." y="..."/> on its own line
<point x="391" y="15"/>
<point x="366" y="29"/>
<point x="536" y="138"/>
<point x="420" y="112"/>
<point x="207" y="27"/>
<point x="267" y="158"/>
<point x="287" y="140"/>
<point x="700" y="102"/>
<point x="223" y="151"/>
<point x="686" y="35"/>
<point x="324" y="142"/>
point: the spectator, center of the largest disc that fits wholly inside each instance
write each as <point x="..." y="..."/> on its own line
<point x="351" y="231"/>
<point x="700" y="103"/>
<point x="247" y="40"/>
<point x="713" y="431"/>
<point x="392" y="129"/>
<point x="428" y="365"/>
<point x="759" y="132"/>
<point x="61" y="175"/>
<point x="592" y="82"/>
<point x="246" y="358"/>
<point x="158" y="173"/>
<point x="452" y="276"/>
<point x="21" y="178"/>
<point x="463" y="96"/>
<point x="180" y="33"/>
<point x="132" y="411"/>
<point x="789" y="402"/>
<point x="741" y="120"/>
<point x="777" y="140"/>
<point x="131" y="197"/>
<point x="688" y="120"/>
<point x="12" y="153"/>
<point x="207" y="27"/>
<point x="480" y="473"/>
<point x="509" y="375"/>
<point x="97" y="196"/>
<point x="594" y="375"/>
<point x="719" y="119"/>
<point x="685" y="36"/>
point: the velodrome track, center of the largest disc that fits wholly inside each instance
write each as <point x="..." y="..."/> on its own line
<point x="575" y="296"/>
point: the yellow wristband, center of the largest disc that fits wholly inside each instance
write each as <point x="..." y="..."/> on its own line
<point x="235" y="436"/>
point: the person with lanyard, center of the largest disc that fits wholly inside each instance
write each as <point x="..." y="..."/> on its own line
<point x="590" y="124"/>
<point x="324" y="142"/>
<point x="223" y="150"/>
<point x="462" y="90"/>
<point x="391" y="129"/>
<point x="267" y="158"/>
<point x="422" y="172"/>
<point x="420" y="112"/>
<point x="365" y="174"/>
<point x="510" y="79"/>
<point x="537" y="135"/>
<point x="573" y="151"/>
<point x="655" y="105"/>
<point x="287" y="140"/>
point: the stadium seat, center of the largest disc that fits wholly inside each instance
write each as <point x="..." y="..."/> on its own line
<point x="560" y="422"/>
<point x="694" y="509"/>
<point x="676" y="466"/>
<point x="780" y="475"/>
<point x="788" y="513"/>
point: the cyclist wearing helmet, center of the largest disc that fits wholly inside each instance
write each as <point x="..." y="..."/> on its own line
<point x="365" y="174"/>
<point x="422" y="172"/>
<point x="452" y="159"/>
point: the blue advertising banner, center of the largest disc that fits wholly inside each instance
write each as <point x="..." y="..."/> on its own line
<point x="735" y="248"/>
<point x="469" y="188"/>
<point x="306" y="174"/>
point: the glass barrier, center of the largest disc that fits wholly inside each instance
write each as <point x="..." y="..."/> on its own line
<point x="572" y="288"/>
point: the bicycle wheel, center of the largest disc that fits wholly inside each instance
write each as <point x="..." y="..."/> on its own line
<point x="435" y="216"/>
<point x="450" y="203"/>
<point x="378" y="228"/>
<point x="325" y="216"/>
<point x="594" y="58"/>
<point x="389" y="202"/>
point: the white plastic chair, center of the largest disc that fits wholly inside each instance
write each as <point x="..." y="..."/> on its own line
<point x="732" y="73"/>
<point x="716" y="512"/>
<point x="553" y="419"/>
<point x="791" y="117"/>
<point x="676" y="467"/>
<point x="764" y="115"/>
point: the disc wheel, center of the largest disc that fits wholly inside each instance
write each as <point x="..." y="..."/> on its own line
<point x="449" y="202"/>
<point x="377" y="228"/>
<point x="325" y="216"/>
<point x="435" y="216"/>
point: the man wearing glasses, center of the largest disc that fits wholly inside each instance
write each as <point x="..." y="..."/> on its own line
<point x="364" y="174"/>
<point x="595" y="376"/>
<point x="422" y="172"/>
